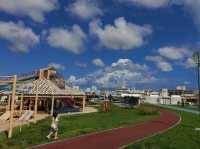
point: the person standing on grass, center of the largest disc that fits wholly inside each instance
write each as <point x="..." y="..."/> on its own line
<point x="54" y="127"/>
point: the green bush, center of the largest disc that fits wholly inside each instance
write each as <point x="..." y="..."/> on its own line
<point x="147" y="110"/>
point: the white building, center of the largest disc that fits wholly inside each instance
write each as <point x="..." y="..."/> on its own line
<point x="175" y="99"/>
<point x="153" y="98"/>
<point x="164" y="92"/>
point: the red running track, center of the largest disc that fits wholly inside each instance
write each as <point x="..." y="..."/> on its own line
<point x="115" y="138"/>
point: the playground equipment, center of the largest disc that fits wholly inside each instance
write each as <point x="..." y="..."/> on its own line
<point x="26" y="116"/>
<point x="12" y="80"/>
<point x="41" y="89"/>
<point x="5" y="116"/>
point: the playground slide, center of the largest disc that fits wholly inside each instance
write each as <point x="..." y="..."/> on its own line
<point x="26" y="116"/>
<point x="70" y="102"/>
<point x="5" y="116"/>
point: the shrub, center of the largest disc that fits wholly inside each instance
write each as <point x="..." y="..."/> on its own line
<point x="146" y="110"/>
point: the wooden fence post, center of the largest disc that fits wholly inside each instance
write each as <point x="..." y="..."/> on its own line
<point x="12" y="106"/>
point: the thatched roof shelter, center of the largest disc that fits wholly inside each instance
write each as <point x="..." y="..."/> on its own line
<point x="47" y="87"/>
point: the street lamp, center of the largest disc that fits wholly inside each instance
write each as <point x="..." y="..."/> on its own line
<point x="196" y="58"/>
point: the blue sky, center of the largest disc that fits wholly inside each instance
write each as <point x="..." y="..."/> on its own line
<point x="107" y="43"/>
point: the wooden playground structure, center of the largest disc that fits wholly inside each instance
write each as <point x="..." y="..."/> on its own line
<point x="41" y="93"/>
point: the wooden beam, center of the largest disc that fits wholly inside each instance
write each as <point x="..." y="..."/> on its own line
<point x="8" y="106"/>
<point x="6" y="81"/>
<point x="84" y="104"/>
<point x="52" y="105"/>
<point x="21" y="104"/>
<point x="36" y="103"/>
<point x="50" y="96"/>
<point x="12" y="106"/>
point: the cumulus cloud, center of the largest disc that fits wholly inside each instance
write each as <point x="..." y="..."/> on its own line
<point x="122" y="35"/>
<point x="178" y="56"/>
<point x="20" y="37"/>
<point x="148" y="3"/>
<point x="69" y="39"/>
<point x="35" y="9"/>
<point x="189" y="63"/>
<point x="191" y="6"/>
<point x="124" y="72"/>
<point x="85" y="9"/>
<point x="160" y="63"/>
<point x="57" y="66"/>
<point x="98" y="62"/>
<point x="72" y="80"/>
<point x="174" y="53"/>
<point x="81" y="64"/>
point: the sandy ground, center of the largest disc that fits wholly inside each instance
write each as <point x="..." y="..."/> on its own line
<point x="4" y="125"/>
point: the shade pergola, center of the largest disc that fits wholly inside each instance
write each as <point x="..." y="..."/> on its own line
<point x="46" y="89"/>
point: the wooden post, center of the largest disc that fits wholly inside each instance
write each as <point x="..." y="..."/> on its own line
<point x="48" y="74"/>
<point x="30" y="102"/>
<point x="40" y="74"/>
<point x="8" y="106"/>
<point x="21" y="104"/>
<point x="12" y="106"/>
<point x="83" y="103"/>
<point x="36" y="103"/>
<point x="52" y="105"/>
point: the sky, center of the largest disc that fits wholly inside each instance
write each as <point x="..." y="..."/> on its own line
<point x="106" y="43"/>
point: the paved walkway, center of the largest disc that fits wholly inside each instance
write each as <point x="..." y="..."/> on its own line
<point x="116" y="138"/>
<point x="178" y="108"/>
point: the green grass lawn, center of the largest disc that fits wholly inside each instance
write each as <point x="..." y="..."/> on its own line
<point x="191" y="107"/>
<point x="70" y="126"/>
<point x="182" y="136"/>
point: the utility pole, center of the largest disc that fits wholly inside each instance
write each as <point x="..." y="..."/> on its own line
<point x="196" y="58"/>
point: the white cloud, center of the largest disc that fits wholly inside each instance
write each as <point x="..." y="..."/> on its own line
<point x="35" y="9"/>
<point x="187" y="82"/>
<point x="148" y="3"/>
<point x="81" y="64"/>
<point x="174" y="53"/>
<point x="72" y="80"/>
<point x="20" y="37"/>
<point x="189" y="63"/>
<point x="57" y="66"/>
<point x="98" y="62"/>
<point x="85" y="9"/>
<point x="122" y="35"/>
<point x="69" y="39"/>
<point x="160" y="63"/>
<point x="192" y="6"/>
<point x="124" y="72"/>
<point x="164" y="66"/>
